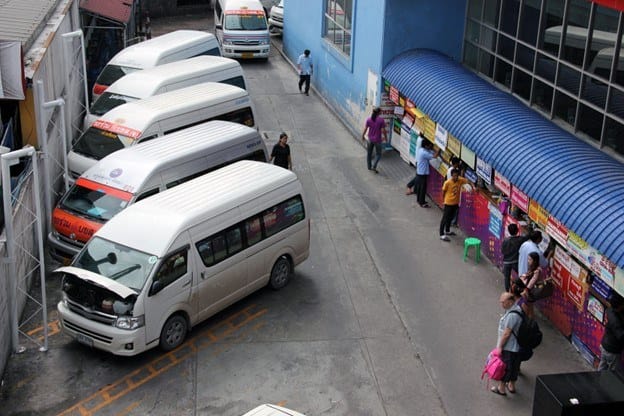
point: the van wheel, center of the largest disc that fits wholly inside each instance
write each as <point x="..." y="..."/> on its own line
<point x="280" y="274"/>
<point x="173" y="332"/>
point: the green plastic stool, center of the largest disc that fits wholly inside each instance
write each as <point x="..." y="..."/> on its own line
<point x="472" y="242"/>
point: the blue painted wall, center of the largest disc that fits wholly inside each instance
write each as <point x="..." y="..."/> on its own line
<point x="381" y="29"/>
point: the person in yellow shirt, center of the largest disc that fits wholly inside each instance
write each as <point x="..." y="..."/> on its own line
<point x="451" y="191"/>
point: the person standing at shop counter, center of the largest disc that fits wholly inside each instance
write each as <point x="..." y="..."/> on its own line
<point x="419" y="183"/>
<point x="376" y="128"/>
<point x="530" y="246"/>
<point x="451" y="191"/>
<point x="612" y="344"/>
<point x="511" y="250"/>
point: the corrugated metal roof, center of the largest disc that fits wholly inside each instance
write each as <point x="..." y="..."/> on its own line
<point x="578" y="184"/>
<point x="117" y="10"/>
<point x="22" y="20"/>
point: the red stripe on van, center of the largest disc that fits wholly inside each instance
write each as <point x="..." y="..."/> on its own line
<point x="85" y="183"/>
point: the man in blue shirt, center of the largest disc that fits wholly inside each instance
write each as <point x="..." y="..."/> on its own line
<point x="304" y="65"/>
<point x="418" y="185"/>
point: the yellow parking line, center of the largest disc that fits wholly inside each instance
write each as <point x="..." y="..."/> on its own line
<point x="140" y="376"/>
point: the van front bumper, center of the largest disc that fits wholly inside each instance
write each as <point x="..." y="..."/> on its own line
<point x="104" y="337"/>
<point x="60" y="250"/>
<point x="246" y="52"/>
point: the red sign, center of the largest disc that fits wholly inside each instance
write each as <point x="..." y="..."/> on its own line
<point x="519" y="199"/>
<point x="117" y="128"/>
<point x="612" y="4"/>
<point x="557" y="230"/>
<point x="244" y="11"/>
<point x="394" y="95"/>
<point x="502" y="183"/>
<point x="576" y="293"/>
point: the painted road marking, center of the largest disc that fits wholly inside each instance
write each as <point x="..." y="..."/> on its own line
<point x="218" y="332"/>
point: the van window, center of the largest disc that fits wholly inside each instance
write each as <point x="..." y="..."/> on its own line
<point x="172" y="268"/>
<point x="242" y="116"/>
<point x="108" y="101"/>
<point x="96" y="143"/>
<point x="210" y="52"/>
<point x="238" y="81"/>
<point x="112" y="73"/>
<point x="252" y="230"/>
<point x="94" y="201"/>
<point x="245" y="21"/>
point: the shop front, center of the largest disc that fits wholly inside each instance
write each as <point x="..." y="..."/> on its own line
<point x="527" y="171"/>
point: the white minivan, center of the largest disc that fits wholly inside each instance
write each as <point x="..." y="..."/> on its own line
<point x="170" y="47"/>
<point x="137" y="172"/>
<point x="143" y="120"/>
<point x="242" y="29"/>
<point x="170" y="261"/>
<point x="167" y="77"/>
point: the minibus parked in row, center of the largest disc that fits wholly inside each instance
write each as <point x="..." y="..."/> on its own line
<point x="242" y="29"/>
<point x="170" y="47"/>
<point x="167" y="77"/>
<point x="134" y="173"/>
<point x="170" y="261"/>
<point x="143" y="120"/>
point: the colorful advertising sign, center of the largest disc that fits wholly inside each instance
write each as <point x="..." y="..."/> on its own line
<point x="394" y="95"/>
<point x="441" y="136"/>
<point x="519" y="199"/>
<point x="469" y="157"/>
<point x="596" y="308"/>
<point x="502" y="183"/>
<point x="496" y="220"/>
<point x="430" y="128"/>
<point x="537" y="213"/>
<point x="453" y="145"/>
<point x="569" y="275"/>
<point x="557" y="230"/>
<point x="484" y="170"/>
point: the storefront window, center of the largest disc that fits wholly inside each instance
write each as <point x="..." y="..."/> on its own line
<point x="525" y="57"/>
<point x="546" y="68"/>
<point x="503" y="73"/>
<point x="490" y="12"/>
<point x="529" y="21"/>
<point x="509" y="16"/>
<point x="551" y="28"/>
<point x="594" y="91"/>
<point x="614" y="135"/>
<point x="590" y="122"/>
<point x="472" y="31"/>
<point x="486" y="63"/>
<point x="470" y="55"/>
<point x="474" y="9"/>
<point x="565" y="108"/>
<point x="337" y="29"/>
<point x="522" y="84"/>
<point x="603" y="40"/>
<point x="506" y="47"/>
<point x="576" y="33"/>
<point x="488" y="38"/>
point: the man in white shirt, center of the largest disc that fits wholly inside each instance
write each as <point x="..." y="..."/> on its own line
<point x="304" y="65"/>
<point x="530" y="246"/>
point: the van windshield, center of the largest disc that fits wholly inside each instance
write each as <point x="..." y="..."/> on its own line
<point x="108" y="101"/>
<point x="245" y="21"/>
<point x="123" y="264"/>
<point x="95" y="201"/>
<point x="112" y="73"/>
<point x="96" y="143"/>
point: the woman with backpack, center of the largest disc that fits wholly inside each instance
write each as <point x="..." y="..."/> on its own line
<point x="507" y="344"/>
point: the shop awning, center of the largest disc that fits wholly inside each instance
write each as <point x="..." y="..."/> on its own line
<point x="579" y="185"/>
<point x="116" y="10"/>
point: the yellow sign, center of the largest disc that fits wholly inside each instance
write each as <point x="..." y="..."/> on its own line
<point x="537" y="213"/>
<point x="453" y="145"/>
<point x="429" y="129"/>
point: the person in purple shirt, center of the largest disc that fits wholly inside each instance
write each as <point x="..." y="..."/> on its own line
<point x="376" y="128"/>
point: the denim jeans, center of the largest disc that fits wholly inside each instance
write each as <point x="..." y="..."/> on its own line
<point x="608" y="360"/>
<point x="369" y="154"/>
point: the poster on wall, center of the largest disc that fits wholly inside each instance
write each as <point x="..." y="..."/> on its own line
<point x="519" y="199"/>
<point x="595" y="308"/>
<point x="484" y="170"/>
<point x="394" y="95"/>
<point x="502" y="183"/>
<point x="537" y="213"/>
<point x="496" y="220"/>
<point x="600" y="287"/>
<point x="404" y="146"/>
<point x="413" y="146"/>
<point x="441" y="136"/>
<point x="408" y="121"/>
<point x="570" y="276"/>
<point x="618" y="282"/>
<point x="453" y="145"/>
<point x="469" y="157"/>
<point x="429" y="131"/>
<point x="471" y="175"/>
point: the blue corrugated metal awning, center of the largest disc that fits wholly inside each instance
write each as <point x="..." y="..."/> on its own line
<point x="579" y="185"/>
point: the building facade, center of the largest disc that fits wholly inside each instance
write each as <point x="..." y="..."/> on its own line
<point x="527" y="93"/>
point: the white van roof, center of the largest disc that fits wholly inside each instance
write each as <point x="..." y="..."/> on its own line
<point x="147" y="54"/>
<point x="145" y="83"/>
<point x="190" y="203"/>
<point x="129" y="168"/>
<point x="243" y="4"/>
<point x="138" y="115"/>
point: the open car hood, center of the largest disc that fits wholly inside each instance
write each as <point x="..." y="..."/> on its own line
<point x="98" y="280"/>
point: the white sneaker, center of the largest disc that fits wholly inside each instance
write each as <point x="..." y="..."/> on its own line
<point x="444" y="238"/>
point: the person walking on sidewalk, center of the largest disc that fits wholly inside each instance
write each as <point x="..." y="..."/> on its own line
<point x="451" y="191"/>
<point x="612" y="344"/>
<point x="508" y="345"/>
<point x="376" y="128"/>
<point x="305" y="68"/>
<point x="510" y="250"/>
<point x="281" y="153"/>
<point x="418" y="185"/>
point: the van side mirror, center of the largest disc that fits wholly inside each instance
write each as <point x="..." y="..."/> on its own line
<point x="219" y="27"/>
<point x="157" y="286"/>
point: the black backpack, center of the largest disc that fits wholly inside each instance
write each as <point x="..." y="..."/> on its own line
<point x="529" y="335"/>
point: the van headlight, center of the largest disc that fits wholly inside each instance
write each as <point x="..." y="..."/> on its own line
<point x="227" y="42"/>
<point x="130" y="322"/>
<point x="264" y="42"/>
<point x="64" y="300"/>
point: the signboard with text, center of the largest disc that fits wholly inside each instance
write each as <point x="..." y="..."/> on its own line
<point x="519" y="199"/>
<point x="502" y="183"/>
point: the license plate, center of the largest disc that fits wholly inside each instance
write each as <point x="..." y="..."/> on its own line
<point x="247" y="55"/>
<point x="83" y="339"/>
